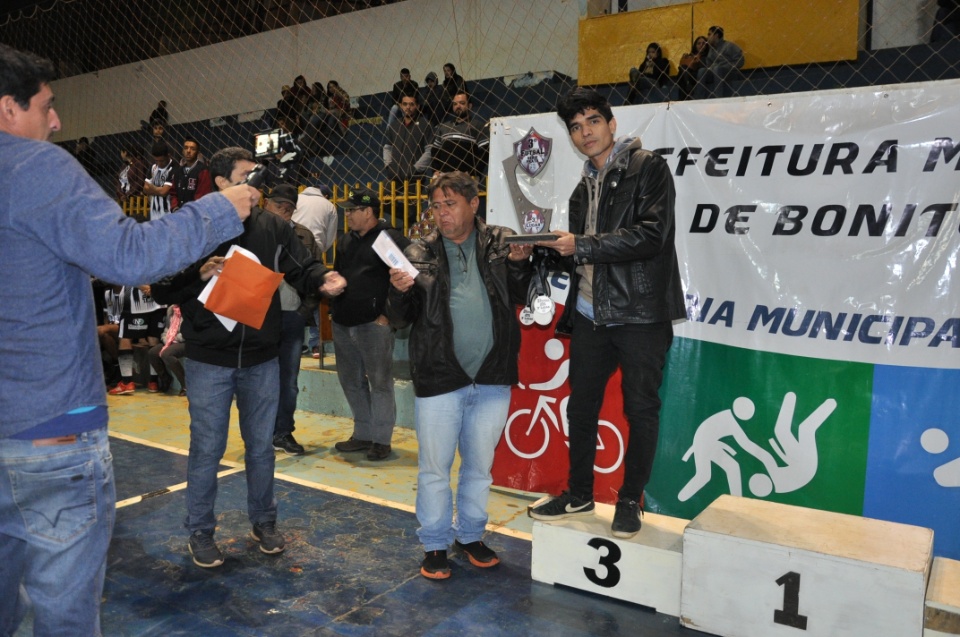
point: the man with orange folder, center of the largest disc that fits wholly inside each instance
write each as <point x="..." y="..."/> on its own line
<point x="241" y="361"/>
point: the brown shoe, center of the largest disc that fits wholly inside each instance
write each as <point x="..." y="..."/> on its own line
<point x="378" y="452"/>
<point x="353" y="444"/>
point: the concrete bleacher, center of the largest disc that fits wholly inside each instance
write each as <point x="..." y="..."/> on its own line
<point x="357" y="157"/>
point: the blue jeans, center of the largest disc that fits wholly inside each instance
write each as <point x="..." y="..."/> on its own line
<point x="365" y="369"/>
<point x="291" y="344"/>
<point x="211" y="392"/>
<point x="595" y="352"/>
<point x="57" y="508"/>
<point x="472" y="419"/>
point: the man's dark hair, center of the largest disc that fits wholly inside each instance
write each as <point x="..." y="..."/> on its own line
<point x="225" y="160"/>
<point x="22" y="74"/>
<point x="404" y="71"/>
<point x="409" y="91"/>
<point x="464" y="93"/>
<point x="578" y="100"/>
<point x="188" y="138"/>
<point x="717" y="30"/>
<point x="456" y="181"/>
<point x="160" y="149"/>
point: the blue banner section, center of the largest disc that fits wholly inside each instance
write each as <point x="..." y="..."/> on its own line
<point x="913" y="467"/>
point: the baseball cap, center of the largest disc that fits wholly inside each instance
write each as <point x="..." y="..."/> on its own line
<point x="284" y="193"/>
<point x="361" y="198"/>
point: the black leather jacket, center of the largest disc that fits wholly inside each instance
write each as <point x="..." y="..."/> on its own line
<point x="636" y="277"/>
<point x="433" y="363"/>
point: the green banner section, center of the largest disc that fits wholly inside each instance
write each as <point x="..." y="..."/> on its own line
<point x="782" y="428"/>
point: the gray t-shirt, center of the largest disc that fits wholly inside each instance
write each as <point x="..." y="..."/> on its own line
<point x="469" y="305"/>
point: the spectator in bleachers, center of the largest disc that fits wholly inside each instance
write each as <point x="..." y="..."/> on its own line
<point x="723" y="60"/>
<point x="460" y="143"/>
<point x="405" y="86"/>
<point x="648" y="81"/>
<point x="132" y="174"/>
<point x="84" y="154"/>
<point x="159" y="185"/>
<point x="321" y="132"/>
<point x="318" y="93"/>
<point x="339" y="103"/>
<point x="453" y="83"/>
<point x="301" y="93"/>
<point x="431" y="100"/>
<point x="166" y="357"/>
<point x="287" y="108"/>
<point x="159" y="114"/>
<point x="407" y="140"/>
<point x="192" y="180"/>
<point x="690" y="63"/>
<point x="946" y="24"/>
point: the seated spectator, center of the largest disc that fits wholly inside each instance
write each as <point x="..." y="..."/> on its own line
<point x="301" y="93"/>
<point x="453" y="83"/>
<point x="287" y="109"/>
<point x="461" y="143"/>
<point x="648" y="82"/>
<point x="431" y="100"/>
<point x="339" y="103"/>
<point x="946" y="22"/>
<point x="723" y="59"/>
<point x="166" y="356"/>
<point x="85" y="155"/>
<point x="159" y="114"/>
<point x="405" y="86"/>
<point x="688" y="66"/>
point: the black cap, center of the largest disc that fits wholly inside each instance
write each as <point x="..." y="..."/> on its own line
<point x="361" y="198"/>
<point x="284" y="192"/>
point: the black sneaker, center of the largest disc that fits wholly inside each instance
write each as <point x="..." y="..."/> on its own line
<point x="378" y="452"/>
<point x="353" y="445"/>
<point x="204" y="550"/>
<point x="626" y="518"/>
<point x="565" y="505"/>
<point x="479" y="554"/>
<point x="287" y="444"/>
<point x="435" y="565"/>
<point x="270" y="539"/>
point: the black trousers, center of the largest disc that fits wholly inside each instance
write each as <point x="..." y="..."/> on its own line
<point x="595" y="353"/>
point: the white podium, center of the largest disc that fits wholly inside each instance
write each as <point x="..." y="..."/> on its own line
<point x="759" y="569"/>
<point x="942" y="616"/>
<point x="581" y="553"/>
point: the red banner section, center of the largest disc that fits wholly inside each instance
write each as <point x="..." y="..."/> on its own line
<point x="532" y="454"/>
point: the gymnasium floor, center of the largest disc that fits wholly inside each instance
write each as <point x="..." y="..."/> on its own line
<point x="351" y="566"/>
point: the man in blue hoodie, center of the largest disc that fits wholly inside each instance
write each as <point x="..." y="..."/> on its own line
<point x="57" y="496"/>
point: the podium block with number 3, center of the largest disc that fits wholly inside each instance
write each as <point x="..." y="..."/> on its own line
<point x="759" y="569"/>
<point x="581" y="553"/>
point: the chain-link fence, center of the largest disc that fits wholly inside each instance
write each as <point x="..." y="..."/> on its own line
<point x="325" y="76"/>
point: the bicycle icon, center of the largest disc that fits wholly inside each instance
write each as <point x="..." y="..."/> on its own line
<point x="533" y="442"/>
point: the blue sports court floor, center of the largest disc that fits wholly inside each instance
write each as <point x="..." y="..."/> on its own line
<point x="351" y="566"/>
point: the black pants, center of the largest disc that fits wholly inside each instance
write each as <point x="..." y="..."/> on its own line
<point x="595" y="352"/>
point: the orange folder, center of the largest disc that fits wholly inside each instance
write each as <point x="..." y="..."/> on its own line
<point x="244" y="291"/>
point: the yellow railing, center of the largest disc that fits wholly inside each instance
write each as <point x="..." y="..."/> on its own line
<point x="405" y="201"/>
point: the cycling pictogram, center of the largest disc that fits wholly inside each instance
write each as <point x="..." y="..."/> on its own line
<point x="528" y="431"/>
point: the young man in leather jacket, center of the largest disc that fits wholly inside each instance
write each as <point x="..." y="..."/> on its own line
<point x="624" y="296"/>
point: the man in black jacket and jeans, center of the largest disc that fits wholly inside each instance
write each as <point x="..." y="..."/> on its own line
<point x="464" y="345"/>
<point x="242" y="361"/>
<point x="362" y="336"/>
<point x="624" y="295"/>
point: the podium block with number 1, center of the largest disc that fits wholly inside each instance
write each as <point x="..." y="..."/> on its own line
<point x="760" y="569"/>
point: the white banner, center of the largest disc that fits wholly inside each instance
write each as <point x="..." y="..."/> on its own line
<point x="817" y="224"/>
